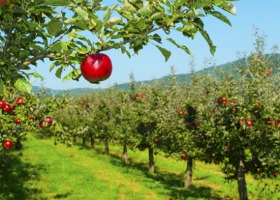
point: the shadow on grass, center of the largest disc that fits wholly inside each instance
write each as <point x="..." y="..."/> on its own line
<point x="172" y="182"/>
<point x="14" y="174"/>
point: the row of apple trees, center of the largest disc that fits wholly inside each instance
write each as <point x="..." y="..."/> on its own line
<point x="231" y="118"/>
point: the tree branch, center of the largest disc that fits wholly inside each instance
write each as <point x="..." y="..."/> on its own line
<point x="133" y="39"/>
<point x="34" y="59"/>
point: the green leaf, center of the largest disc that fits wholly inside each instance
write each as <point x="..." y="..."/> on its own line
<point x="58" y="72"/>
<point x="157" y="15"/>
<point x="179" y="46"/>
<point x="76" y="22"/>
<point x="109" y="12"/>
<point x="164" y="52"/>
<point x="54" y="27"/>
<point x="145" y="11"/>
<point x="229" y="7"/>
<point x="56" y="47"/>
<point x="23" y="86"/>
<point x="82" y="13"/>
<point x="36" y="75"/>
<point x="219" y="16"/>
<point x="209" y="41"/>
<point x="57" y="2"/>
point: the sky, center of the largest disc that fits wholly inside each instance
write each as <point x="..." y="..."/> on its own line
<point x="231" y="41"/>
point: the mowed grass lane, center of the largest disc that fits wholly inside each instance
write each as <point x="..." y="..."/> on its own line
<point x="60" y="172"/>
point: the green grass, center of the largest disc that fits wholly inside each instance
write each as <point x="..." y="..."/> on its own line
<point x="43" y="171"/>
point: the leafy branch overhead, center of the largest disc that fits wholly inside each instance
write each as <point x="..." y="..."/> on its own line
<point x="65" y="31"/>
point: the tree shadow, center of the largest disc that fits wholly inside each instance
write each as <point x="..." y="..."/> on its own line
<point x="172" y="182"/>
<point x="14" y="174"/>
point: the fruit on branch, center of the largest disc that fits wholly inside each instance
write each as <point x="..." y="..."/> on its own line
<point x="7" y="144"/>
<point x="249" y="123"/>
<point x="184" y="156"/>
<point x="17" y="121"/>
<point x="137" y="96"/>
<point x="20" y="100"/>
<point x="96" y="67"/>
<point x="49" y="120"/>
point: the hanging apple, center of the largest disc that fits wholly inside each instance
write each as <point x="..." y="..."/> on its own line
<point x="96" y="67"/>
<point x="8" y="144"/>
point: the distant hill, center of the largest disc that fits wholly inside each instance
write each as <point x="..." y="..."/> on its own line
<point x="229" y="67"/>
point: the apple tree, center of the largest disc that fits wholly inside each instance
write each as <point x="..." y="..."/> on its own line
<point x="242" y="125"/>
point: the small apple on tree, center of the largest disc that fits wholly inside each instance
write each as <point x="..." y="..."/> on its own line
<point x="184" y="156"/>
<point x="7" y="144"/>
<point x="96" y="67"/>
<point x="20" y="100"/>
<point x="49" y="120"/>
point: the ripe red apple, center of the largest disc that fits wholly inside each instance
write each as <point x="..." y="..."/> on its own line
<point x="2" y="103"/>
<point x="249" y="123"/>
<point x="6" y="108"/>
<point x="8" y="144"/>
<point x="184" y="156"/>
<point x="96" y="67"/>
<point x="49" y="120"/>
<point x="156" y="140"/>
<point x="17" y="121"/>
<point x="226" y="148"/>
<point x="137" y="96"/>
<point x="19" y="100"/>
<point x="275" y="174"/>
<point x="272" y="122"/>
<point x="219" y="100"/>
<point x="267" y="72"/>
<point x="224" y="99"/>
<point x="43" y="124"/>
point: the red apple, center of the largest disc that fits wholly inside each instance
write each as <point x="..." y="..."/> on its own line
<point x="184" y="156"/>
<point x="6" y="108"/>
<point x="156" y="139"/>
<point x="2" y="103"/>
<point x="96" y="67"/>
<point x="137" y="96"/>
<point x="275" y="174"/>
<point x="43" y="124"/>
<point x="8" y="144"/>
<point x="226" y="148"/>
<point x="17" y="121"/>
<point x="20" y="100"/>
<point x="219" y="100"/>
<point x="249" y="123"/>
<point x="49" y="120"/>
<point x="267" y="72"/>
<point x="224" y="99"/>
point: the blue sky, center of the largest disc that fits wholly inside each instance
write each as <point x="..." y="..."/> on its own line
<point x="150" y="64"/>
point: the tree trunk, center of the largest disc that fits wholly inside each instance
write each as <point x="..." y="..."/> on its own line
<point x="124" y="155"/>
<point x="18" y="145"/>
<point x="107" y="150"/>
<point x="84" y="141"/>
<point x="188" y="180"/>
<point x="74" y="139"/>
<point x="242" y="187"/>
<point x="151" y="160"/>
<point x="92" y="142"/>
